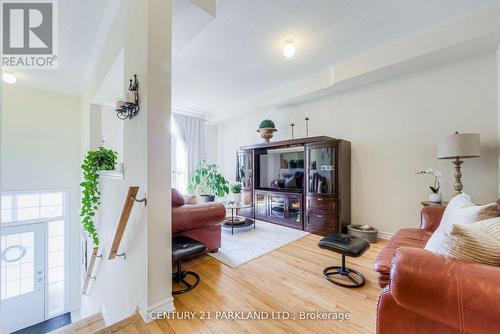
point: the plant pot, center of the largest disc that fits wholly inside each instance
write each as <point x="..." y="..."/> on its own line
<point x="267" y="133"/>
<point x="435" y="197"/>
<point x="236" y="197"/>
<point x="370" y="236"/>
<point x="207" y="198"/>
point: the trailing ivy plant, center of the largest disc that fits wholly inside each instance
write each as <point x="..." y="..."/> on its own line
<point x="95" y="161"/>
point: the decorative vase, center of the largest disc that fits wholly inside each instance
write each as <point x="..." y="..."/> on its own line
<point x="435" y="197"/>
<point x="267" y="133"/>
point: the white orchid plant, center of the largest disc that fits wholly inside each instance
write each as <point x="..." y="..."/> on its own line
<point x="438" y="178"/>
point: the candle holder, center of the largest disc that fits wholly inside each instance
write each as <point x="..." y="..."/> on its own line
<point x="307" y="119"/>
<point x="292" y="125"/>
<point x="130" y="107"/>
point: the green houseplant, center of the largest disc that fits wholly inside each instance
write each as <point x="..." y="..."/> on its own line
<point x="266" y="129"/>
<point x="208" y="182"/>
<point x="235" y="191"/>
<point x="95" y="161"/>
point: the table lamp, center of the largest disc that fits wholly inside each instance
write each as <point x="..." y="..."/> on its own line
<point x="458" y="146"/>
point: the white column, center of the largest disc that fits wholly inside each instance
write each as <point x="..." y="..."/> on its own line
<point x="159" y="169"/>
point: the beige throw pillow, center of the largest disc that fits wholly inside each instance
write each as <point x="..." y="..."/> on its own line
<point x="460" y="211"/>
<point x="190" y="199"/>
<point x="478" y="242"/>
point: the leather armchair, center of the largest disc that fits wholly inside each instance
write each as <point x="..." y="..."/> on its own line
<point x="200" y="222"/>
<point x="431" y="293"/>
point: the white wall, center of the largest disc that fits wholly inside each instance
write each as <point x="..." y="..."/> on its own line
<point x="40" y="150"/>
<point x="122" y="285"/>
<point x="498" y="118"/>
<point x="393" y="127"/>
<point x="112" y="131"/>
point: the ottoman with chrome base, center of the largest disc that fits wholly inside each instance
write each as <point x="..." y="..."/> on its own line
<point x="346" y="245"/>
<point x="184" y="248"/>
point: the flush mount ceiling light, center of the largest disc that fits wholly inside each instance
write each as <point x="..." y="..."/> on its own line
<point x="289" y="49"/>
<point x="9" y="78"/>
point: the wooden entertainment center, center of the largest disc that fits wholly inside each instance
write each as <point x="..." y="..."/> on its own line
<point x="310" y="189"/>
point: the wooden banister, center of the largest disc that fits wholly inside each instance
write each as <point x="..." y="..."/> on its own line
<point x="90" y="269"/>
<point x="122" y="224"/>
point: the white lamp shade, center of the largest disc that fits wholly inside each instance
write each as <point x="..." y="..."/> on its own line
<point x="459" y="145"/>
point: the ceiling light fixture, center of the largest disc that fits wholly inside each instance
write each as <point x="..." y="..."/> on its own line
<point x="9" y="78"/>
<point x="289" y="49"/>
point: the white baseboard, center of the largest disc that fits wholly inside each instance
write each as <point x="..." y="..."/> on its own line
<point x="166" y="305"/>
<point x="105" y="316"/>
<point x="385" y="235"/>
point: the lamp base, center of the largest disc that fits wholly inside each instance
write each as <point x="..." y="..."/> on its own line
<point x="458" y="176"/>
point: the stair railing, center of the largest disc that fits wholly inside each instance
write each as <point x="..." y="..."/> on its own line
<point x="90" y="269"/>
<point x="122" y="224"/>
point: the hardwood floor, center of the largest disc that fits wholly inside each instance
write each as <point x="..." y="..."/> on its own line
<point x="288" y="279"/>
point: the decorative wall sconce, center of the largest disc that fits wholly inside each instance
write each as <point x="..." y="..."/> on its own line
<point x="130" y="107"/>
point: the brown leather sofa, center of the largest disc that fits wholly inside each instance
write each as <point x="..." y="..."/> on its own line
<point x="200" y="222"/>
<point x="432" y="293"/>
<point x="430" y="217"/>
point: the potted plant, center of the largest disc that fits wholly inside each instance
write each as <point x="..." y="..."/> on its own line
<point x="95" y="161"/>
<point x="266" y="129"/>
<point x="367" y="232"/>
<point x="208" y="182"/>
<point x="435" y="196"/>
<point x="235" y="191"/>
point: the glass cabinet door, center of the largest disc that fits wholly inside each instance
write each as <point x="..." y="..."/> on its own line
<point x="260" y="204"/>
<point x="277" y="206"/>
<point x="294" y="208"/>
<point x="244" y="173"/>
<point x="321" y="170"/>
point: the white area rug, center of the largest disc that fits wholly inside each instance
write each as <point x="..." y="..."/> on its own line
<point x="248" y="243"/>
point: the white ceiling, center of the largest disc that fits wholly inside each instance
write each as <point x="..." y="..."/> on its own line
<point x="83" y="24"/>
<point x="238" y="54"/>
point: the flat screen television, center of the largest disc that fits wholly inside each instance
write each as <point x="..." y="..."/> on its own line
<point x="282" y="169"/>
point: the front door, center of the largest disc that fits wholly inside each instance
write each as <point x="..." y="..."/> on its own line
<point x="22" y="280"/>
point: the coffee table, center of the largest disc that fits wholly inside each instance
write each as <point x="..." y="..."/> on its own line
<point x="236" y="221"/>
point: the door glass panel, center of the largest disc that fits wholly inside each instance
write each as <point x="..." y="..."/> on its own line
<point x="245" y="169"/>
<point x="321" y="174"/>
<point x="294" y="208"/>
<point x="7" y="208"/>
<point x="277" y="206"/>
<point x="56" y="266"/>
<point x="18" y="269"/>
<point x="260" y="204"/>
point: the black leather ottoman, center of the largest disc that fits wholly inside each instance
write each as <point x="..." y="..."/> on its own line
<point x="184" y="248"/>
<point x="346" y="245"/>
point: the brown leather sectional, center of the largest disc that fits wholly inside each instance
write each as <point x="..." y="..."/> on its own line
<point x="201" y="222"/>
<point x="430" y="218"/>
<point x="425" y="292"/>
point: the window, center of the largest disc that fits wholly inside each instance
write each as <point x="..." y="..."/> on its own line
<point x="179" y="161"/>
<point x="22" y="207"/>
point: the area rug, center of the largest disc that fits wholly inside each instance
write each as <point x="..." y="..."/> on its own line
<point x="248" y="243"/>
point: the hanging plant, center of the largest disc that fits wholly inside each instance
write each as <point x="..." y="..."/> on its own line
<point x="95" y="161"/>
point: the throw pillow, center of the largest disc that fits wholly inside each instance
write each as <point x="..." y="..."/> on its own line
<point x="460" y="211"/>
<point x="478" y="242"/>
<point x="190" y="199"/>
